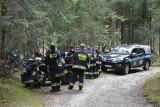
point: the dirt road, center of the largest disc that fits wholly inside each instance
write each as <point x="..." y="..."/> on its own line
<point x="110" y="90"/>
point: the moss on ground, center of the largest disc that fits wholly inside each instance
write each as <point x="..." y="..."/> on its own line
<point x="152" y="89"/>
<point x="13" y="94"/>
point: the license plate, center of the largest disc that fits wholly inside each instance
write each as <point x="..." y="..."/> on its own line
<point x="108" y="66"/>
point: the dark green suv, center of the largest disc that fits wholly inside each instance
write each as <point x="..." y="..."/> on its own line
<point x="124" y="57"/>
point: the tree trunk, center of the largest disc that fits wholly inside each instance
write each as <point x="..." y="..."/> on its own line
<point x="122" y="27"/>
<point x="129" y="33"/>
<point x="144" y="16"/>
<point x="92" y="15"/>
<point x="113" y="29"/>
<point x="150" y="27"/>
<point x="132" y="33"/>
<point x="159" y="43"/>
<point x="77" y="22"/>
<point x="122" y="32"/>
<point x="3" y="30"/>
<point x="113" y="41"/>
<point x="129" y="26"/>
<point x="3" y="35"/>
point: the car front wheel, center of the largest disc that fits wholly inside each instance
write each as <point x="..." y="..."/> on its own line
<point x="126" y="69"/>
<point x="146" y="65"/>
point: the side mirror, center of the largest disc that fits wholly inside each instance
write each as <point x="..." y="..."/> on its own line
<point x="134" y="54"/>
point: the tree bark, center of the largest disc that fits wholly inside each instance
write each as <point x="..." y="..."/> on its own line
<point x="113" y="29"/>
<point x="132" y="33"/>
<point x="92" y="15"/>
<point x="2" y="38"/>
<point x="122" y="33"/>
<point x="159" y="43"/>
<point x="113" y="41"/>
<point x="77" y="22"/>
<point x="144" y="18"/>
<point x="3" y="30"/>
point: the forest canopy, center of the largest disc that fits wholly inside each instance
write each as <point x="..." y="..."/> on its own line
<point x="26" y="24"/>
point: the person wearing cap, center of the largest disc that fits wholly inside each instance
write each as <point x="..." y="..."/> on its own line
<point x="81" y="60"/>
<point x="53" y="60"/>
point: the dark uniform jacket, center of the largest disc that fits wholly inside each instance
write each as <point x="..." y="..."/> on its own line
<point x="28" y="73"/>
<point x="53" y="59"/>
<point x="80" y="60"/>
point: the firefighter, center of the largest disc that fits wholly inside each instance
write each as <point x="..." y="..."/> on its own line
<point x="65" y="74"/>
<point x="93" y="63"/>
<point x="77" y="49"/>
<point x="98" y="61"/>
<point x="81" y="60"/>
<point x="43" y="67"/>
<point x="69" y="58"/>
<point x="53" y="60"/>
<point x="88" y="73"/>
<point x="71" y="49"/>
<point x="31" y="76"/>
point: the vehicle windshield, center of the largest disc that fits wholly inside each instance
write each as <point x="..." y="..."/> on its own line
<point x="120" y="50"/>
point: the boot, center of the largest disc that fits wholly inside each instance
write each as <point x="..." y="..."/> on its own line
<point x="54" y="89"/>
<point x="94" y="76"/>
<point x="58" y="88"/>
<point x="90" y="76"/>
<point x="70" y="87"/>
<point x="80" y="87"/>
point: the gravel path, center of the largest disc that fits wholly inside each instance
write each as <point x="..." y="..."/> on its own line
<point x="110" y="90"/>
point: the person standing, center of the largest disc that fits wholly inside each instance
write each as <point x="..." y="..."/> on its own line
<point x="98" y="61"/>
<point x="88" y="73"/>
<point x="81" y="60"/>
<point x="53" y="60"/>
<point x="93" y="63"/>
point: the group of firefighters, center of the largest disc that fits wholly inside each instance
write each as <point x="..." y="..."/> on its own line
<point x="86" y="63"/>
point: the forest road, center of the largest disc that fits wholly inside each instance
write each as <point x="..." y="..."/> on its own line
<point x="110" y="90"/>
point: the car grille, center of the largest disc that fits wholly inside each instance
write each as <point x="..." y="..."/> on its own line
<point x="107" y="63"/>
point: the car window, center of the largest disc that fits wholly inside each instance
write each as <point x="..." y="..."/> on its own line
<point x="134" y="51"/>
<point x="140" y="51"/>
<point x="120" y="50"/>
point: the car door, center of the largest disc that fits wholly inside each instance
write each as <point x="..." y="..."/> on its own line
<point x="140" y="53"/>
<point x="134" y="59"/>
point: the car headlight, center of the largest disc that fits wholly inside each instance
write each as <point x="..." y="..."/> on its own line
<point x="117" y="60"/>
<point x="103" y="59"/>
